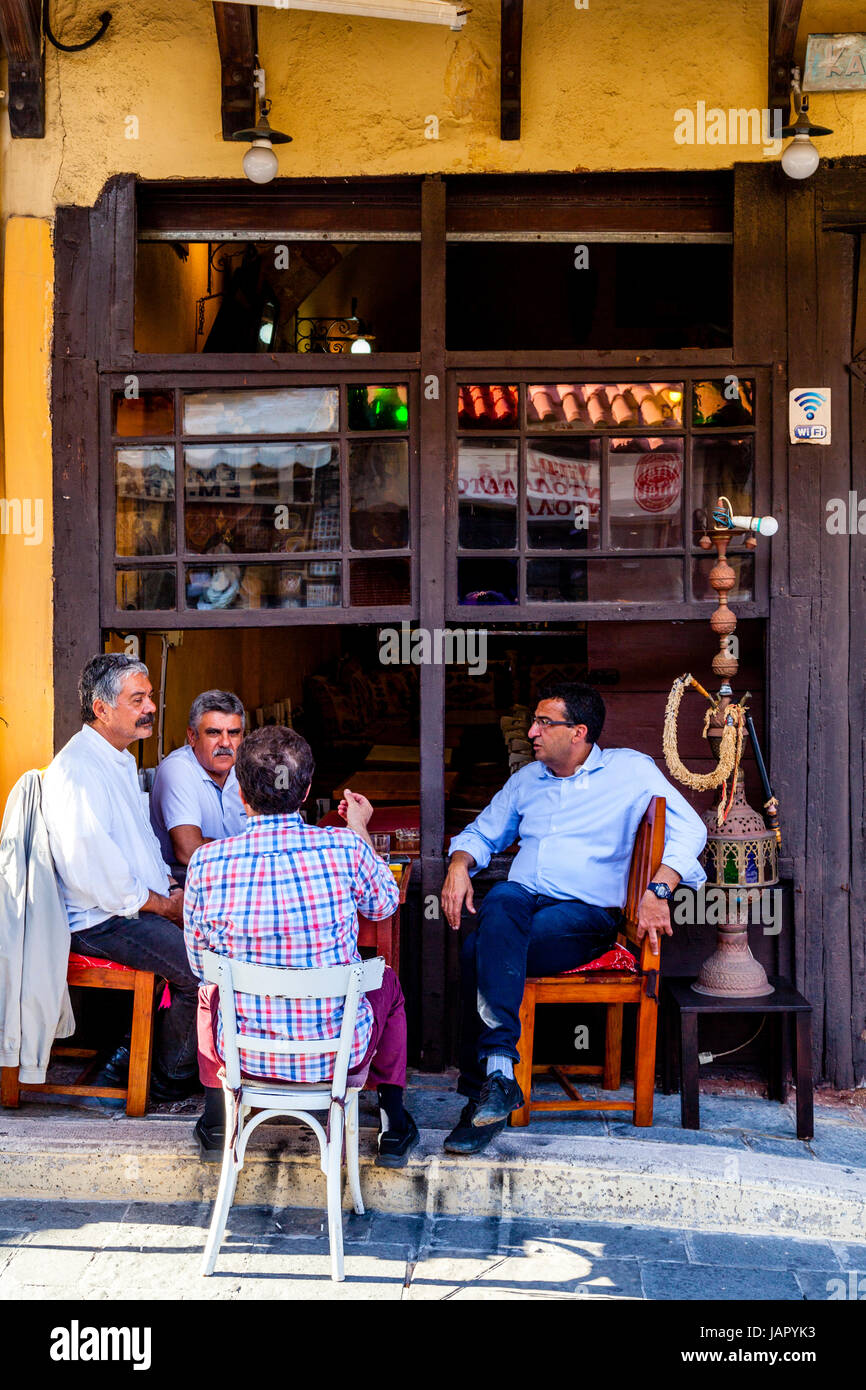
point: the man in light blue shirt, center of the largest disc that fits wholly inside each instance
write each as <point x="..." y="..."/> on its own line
<point x="195" y="795"/>
<point x="576" y="811"/>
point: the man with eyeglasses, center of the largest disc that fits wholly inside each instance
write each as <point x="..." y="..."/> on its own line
<point x="575" y="810"/>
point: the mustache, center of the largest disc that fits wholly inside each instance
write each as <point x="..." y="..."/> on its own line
<point x="145" y="720"/>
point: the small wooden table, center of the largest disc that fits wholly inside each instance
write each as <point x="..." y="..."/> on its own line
<point x="783" y="1005"/>
<point x="384" y="936"/>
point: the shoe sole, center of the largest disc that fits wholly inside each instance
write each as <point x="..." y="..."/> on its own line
<point x="486" y="1120"/>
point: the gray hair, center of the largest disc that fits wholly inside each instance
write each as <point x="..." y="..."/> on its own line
<point x="223" y="701"/>
<point x="103" y="678"/>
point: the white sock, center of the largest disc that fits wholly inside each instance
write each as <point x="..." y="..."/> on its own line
<point x="497" y="1061"/>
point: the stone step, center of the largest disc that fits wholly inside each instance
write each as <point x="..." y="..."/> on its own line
<point x="713" y="1188"/>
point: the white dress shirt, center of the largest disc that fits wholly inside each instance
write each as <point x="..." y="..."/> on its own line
<point x="106" y="855"/>
<point x="577" y="833"/>
<point x="184" y="793"/>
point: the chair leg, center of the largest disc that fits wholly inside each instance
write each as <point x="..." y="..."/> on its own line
<point x="352" y="1154"/>
<point x="645" y="1061"/>
<point x="9" y="1089"/>
<point x="140" y="1044"/>
<point x="523" y="1069"/>
<point x="335" y="1208"/>
<point x="222" y="1206"/>
<point x="612" y="1048"/>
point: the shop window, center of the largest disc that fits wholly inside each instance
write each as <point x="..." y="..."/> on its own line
<point x="625" y="472"/>
<point x="521" y="296"/>
<point x="277" y="296"/>
<point x="268" y="473"/>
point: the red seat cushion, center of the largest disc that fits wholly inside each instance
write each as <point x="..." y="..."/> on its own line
<point x="618" y="958"/>
<point x="94" y="963"/>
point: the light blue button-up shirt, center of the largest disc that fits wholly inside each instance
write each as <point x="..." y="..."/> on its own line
<point x="577" y="833"/>
<point x="184" y="793"/>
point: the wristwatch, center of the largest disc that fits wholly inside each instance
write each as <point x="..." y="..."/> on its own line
<point x="661" y="890"/>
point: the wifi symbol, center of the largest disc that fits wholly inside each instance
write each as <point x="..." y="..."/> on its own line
<point x="810" y="402"/>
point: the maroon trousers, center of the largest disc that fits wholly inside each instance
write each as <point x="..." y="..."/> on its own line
<point x="383" y="1064"/>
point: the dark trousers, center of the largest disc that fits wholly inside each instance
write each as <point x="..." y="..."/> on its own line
<point x="149" y="942"/>
<point x="383" y="1064"/>
<point x="519" y="933"/>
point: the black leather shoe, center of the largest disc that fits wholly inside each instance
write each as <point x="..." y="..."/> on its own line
<point x="465" y="1138"/>
<point x="396" y="1145"/>
<point x="115" y="1072"/>
<point x="499" y="1097"/>
<point x="211" y="1141"/>
<point x="164" y="1089"/>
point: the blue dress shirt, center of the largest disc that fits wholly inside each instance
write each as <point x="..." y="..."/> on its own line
<point x="577" y="833"/>
<point x="184" y="793"/>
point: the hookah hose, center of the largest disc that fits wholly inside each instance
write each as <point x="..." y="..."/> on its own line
<point x="730" y="751"/>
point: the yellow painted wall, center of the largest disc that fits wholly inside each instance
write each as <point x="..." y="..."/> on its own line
<point x="600" y="89"/>
<point x="26" y="701"/>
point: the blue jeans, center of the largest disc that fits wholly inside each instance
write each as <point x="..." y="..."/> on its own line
<point x="519" y="933"/>
<point x="149" y="942"/>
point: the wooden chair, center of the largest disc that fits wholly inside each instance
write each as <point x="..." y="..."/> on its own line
<point x="102" y="975"/>
<point x="612" y="988"/>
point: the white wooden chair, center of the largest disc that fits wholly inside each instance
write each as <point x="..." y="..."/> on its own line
<point x="299" y="1099"/>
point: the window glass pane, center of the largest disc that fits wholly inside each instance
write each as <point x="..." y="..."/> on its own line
<point x="378" y="407"/>
<point x="743" y="567"/>
<point x="646" y="493"/>
<point x="146" y="589"/>
<point x="728" y="400"/>
<point x="487" y="407"/>
<point x="486" y="581"/>
<point x="592" y="405"/>
<point x="258" y="497"/>
<point x="148" y="414"/>
<point x="487" y="493"/>
<point x="723" y="467"/>
<point x="274" y="410"/>
<point x="563" y="493"/>
<point x="380" y="581"/>
<point x="225" y="584"/>
<point x="144" y="480"/>
<point x="379" y="494"/>
<point x="604" y="581"/>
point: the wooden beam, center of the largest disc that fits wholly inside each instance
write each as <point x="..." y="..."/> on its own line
<point x="237" y="38"/>
<point x="784" y="22"/>
<point x="511" y="47"/>
<point x="21" y="32"/>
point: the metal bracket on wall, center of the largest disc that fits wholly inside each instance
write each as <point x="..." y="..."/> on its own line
<point x="511" y="50"/>
<point x="784" y="22"/>
<point x="21" y="32"/>
<point x="238" y="40"/>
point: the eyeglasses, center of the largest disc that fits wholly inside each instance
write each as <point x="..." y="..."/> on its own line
<point x="544" y="723"/>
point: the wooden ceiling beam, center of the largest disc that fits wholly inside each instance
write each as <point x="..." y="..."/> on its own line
<point x="21" y="32"/>
<point x="784" y="23"/>
<point x="237" y="39"/>
<point x="511" y="51"/>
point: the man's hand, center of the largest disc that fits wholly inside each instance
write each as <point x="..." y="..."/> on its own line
<point x="457" y="888"/>
<point x="654" y="918"/>
<point x="356" y="811"/>
<point x="171" y="907"/>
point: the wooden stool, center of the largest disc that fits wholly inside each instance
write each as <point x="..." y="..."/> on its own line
<point x="613" y="988"/>
<point x="102" y="976"/>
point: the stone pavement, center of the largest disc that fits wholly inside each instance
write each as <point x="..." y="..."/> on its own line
<point x="139" y="1250"/>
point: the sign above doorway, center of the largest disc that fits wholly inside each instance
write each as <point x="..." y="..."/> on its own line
<point x="835" y="63"/>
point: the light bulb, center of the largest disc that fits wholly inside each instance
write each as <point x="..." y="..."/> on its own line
<point x="800" y="158"/>
<point x="361" y="345"/>
<point x="260" y="162"/>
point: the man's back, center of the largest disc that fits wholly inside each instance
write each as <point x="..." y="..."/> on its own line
<point x="287" y="894"/>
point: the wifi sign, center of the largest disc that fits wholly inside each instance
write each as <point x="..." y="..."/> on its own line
<point x="809" y="415"/>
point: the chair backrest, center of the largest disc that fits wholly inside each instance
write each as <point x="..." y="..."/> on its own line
<point x="346" y="982"/>
<point x="647" y="855"/>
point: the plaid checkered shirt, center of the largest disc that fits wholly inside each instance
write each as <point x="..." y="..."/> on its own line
<point x="287" y="894"/>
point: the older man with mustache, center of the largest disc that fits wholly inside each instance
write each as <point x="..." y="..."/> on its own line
<point x="195" y="797"/>
<point x="121" y="899"/>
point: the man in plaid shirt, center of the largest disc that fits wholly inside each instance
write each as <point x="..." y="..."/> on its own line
<point x="283" y="893"/>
